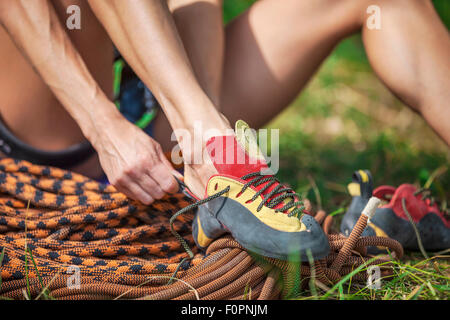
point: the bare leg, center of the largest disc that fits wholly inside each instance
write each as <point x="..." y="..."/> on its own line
<point x="200" y="26"/>
<point x="145" y="33"/>
<point x="411" y="54"/>
<point x="274" y="48"/>
<point x="177" y="89"/>
<point x="28" y="106"/>
<point x="133" y="162"/>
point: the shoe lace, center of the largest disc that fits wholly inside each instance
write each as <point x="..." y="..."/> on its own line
<point x="279" y="193"/>
<point x="276" y="196"/>
<point x="426" y="194"/>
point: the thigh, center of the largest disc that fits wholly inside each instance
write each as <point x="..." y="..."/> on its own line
<point x="274" y="48"/>
<point x="28" y="107"/>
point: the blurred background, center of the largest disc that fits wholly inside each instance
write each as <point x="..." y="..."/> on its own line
<point x="347" y="120"/>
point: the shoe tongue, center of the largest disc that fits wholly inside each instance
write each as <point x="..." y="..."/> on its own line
<point x="237" y="155"/>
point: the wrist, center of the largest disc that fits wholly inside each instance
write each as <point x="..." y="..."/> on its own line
<point x="104" y="117"/>
<point x="201" y="114"/>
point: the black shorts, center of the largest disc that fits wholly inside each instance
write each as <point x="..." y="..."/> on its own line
<point x="137" y="104"/>
<point x="13" y="147"/>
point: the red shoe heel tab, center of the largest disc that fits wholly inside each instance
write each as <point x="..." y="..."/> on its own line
<point x="382" y="192"/>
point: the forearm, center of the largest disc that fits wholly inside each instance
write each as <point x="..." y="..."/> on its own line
<point x="37" y="32"/>
<point x="145" y="34"/>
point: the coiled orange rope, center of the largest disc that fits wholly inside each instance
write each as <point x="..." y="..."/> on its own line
<point x="125" y="250"/>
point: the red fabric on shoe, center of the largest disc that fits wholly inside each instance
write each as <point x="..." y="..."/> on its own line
<point x="231" y="160"/>
<point x="383" y="191"/>
<point x="415" y="204"/>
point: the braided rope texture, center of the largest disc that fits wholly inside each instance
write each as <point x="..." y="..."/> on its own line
<point x="126" y="250"/>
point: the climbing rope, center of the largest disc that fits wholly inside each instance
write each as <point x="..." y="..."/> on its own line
<point x="55" y="224"/>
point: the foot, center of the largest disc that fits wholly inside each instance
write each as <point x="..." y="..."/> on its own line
<point x="243" y="198"/>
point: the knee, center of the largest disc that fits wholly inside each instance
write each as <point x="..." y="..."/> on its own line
<point x="402" y="5"/>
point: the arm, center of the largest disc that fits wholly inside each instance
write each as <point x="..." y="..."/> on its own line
<point x="146" y="35"/>
<point x="132" y="161"/>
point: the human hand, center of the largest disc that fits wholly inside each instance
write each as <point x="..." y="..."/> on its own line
<point x="135" y="163"/>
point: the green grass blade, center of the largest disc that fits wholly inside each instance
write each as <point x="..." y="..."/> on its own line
<point x="45" y="294"/>
<point x="26" y="253"/>
<point x="312" y="280"/>
<point x="2" y="255"/>
<point x="348" y="276"/>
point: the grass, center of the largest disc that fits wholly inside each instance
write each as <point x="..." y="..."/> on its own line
<point x="28" y="254"/>
<point x="347" y="120"/>
<point x="413" y="279"/>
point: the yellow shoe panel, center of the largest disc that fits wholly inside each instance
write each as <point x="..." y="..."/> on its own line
<point x="276" y="220"/>
<point x="202" y="239"/>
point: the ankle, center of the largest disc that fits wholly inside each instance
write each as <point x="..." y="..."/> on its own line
<point x="197" y="163"/>
<point x="196" y="177"/>
<point x="193" y="138"/>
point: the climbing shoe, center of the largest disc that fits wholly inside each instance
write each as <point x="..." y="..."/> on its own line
<point x="407" y="212"/>
<point x="246" y="200"/>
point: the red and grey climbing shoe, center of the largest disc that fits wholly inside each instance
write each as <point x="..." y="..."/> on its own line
<point x="246" y="200"/>
<point x="407" y="211"/>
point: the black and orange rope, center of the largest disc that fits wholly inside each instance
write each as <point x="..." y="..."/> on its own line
<point x="126" y="250"/>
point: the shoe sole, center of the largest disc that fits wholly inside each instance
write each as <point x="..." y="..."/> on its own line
<point x="246" y="228"/>
<point x="433" y="233"/>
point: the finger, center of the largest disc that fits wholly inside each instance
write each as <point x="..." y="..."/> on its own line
<point x="174" y="172"/>
<point x="134" y="191"/>
<point x="167" y="179"/>
<point x="163" y="176"/>
<point x="177" y="174"/>
<point x="148" y="184"/>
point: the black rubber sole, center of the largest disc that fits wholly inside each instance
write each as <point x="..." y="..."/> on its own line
<point x="223" y="214"/>
<point x="433" y="233"/>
